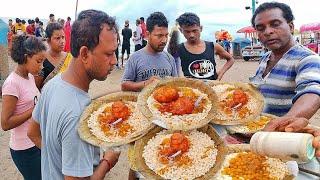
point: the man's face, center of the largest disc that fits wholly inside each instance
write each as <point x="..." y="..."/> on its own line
<point x="158" y="38"/>
<point x="102" y="59"/>
<point x="191" y="33"/>
<point x="273" y="30"/>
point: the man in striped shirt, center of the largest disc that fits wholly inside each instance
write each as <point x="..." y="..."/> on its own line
<point x="289" y="74"/>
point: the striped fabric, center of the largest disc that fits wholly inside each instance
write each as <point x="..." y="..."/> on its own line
<point x="296" y="73"/>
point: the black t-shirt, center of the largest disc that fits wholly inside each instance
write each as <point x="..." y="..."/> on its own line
<point x="127" y="34"/>
<point x="200" y="66"/>
<point x="47" y="68"/>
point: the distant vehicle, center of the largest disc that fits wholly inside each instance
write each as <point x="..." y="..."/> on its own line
<point x="252" y="52"/>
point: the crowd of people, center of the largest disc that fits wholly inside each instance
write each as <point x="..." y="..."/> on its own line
<point x="44" y="139"/>
<point x="36" y="28"/>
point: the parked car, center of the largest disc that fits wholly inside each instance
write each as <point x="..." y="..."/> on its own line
<point x="252" y="52"/>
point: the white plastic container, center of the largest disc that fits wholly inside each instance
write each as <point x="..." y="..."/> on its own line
<point x="283" y="145"/>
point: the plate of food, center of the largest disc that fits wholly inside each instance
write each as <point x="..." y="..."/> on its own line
<point x="241" y="163"/>
<point x="167" y="154"/>
<point x="252" y="126"/>
<point x="238" y="103"/>
<point x="113" y="120"/>
<point x="178" y="103"/>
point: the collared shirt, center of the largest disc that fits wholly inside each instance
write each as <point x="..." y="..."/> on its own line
<point x="296" y="73"/>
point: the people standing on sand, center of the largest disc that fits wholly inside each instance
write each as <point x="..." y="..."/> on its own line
<point x="151" y="62"/>
<point x="57" y="113"/>
<point x="288" y="75"/>
<point x="56" y="60"/>
<point x="137" y="36"/>
<point x="126" y="36"/>
<point x="144" y="31"/>
<point x="198" y="56"/>
<point x="67" y="33"/>
<point x="19" y="95"/>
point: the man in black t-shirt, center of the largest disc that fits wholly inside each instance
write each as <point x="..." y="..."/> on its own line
<point x="126" y="34"/>
<point x="197" y="56"/>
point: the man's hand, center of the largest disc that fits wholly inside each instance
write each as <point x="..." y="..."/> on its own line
<point x="151" y="80"/>
<point x="294" y="124"/>
<point x="220" y="75"/>
<point x="112" y="157"/>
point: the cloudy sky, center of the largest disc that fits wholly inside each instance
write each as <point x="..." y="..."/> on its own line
<point x="214" y="14"/>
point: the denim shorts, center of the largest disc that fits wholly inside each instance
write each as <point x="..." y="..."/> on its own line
<point x="28" y="162"/>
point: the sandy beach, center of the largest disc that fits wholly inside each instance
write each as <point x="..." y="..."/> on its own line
<point x="240" y="72"/>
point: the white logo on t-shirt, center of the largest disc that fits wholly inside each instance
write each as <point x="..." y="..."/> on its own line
<point x="201" y="68"/>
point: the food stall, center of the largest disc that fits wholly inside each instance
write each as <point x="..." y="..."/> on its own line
<point x="310" y="36"/>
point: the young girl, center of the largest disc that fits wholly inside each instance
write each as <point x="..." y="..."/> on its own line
<point x="19" y="95"/>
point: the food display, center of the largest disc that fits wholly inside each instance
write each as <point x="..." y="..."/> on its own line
<point x="113" y="120"/>
<point x="178" y="103"/>
<point x="237" y="103"/>
<point x="251" y="166"/>
<point x="252" y="126"/>
<point x="195" y="154"/>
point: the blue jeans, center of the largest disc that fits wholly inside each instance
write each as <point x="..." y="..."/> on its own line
<point x="28" y="162"/>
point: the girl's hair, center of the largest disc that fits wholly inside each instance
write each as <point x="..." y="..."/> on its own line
<point x="173" y="44"/>
<point x="23" y="46"/>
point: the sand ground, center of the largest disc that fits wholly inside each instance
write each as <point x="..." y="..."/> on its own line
<point x="240" y="71"/>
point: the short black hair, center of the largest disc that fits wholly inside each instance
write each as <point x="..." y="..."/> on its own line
<point x="286" y="11"/>
<point x="41" y="23"/>
<point x="29" y="21"/>
<point x="18" y="20"/>
<point x="23" y="45"/>
<point x="142" y="18"/>
<point x="69" y="18"/>
<point x="37" y="20"/>
<point x="10" y="19"/>
<point x="51" y="15"/>
<point x="156" y="18"/>
<point x="87" y="28"/>
<point x="188" y="19"/>
<point x="51" y="27"/>
<point x="23" y="21"/>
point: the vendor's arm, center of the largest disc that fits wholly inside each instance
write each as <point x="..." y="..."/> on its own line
<point x="223" y="54"/>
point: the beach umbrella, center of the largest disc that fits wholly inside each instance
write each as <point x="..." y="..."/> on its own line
<point x="310" y="27"/>
<point x="248" y="29"/>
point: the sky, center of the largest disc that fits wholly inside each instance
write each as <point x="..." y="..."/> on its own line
<point x="215" y="15"/>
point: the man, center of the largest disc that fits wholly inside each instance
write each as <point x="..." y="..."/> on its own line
<point x="126" y="36"/>
<point x="19" y="28"/>
<point x="63" y="154"/>
<point x="31" y="28"/>
<point x="144" y="31"/>
<point x="288" y="75"/>
<point x="150" y="63"/>
<point x="137" y="36"/>
<point x="197" y="56"/>
<point x="51" y="19"/>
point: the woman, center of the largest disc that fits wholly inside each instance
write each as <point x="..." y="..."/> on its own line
<point x="19" y="95"/>
<point x="173" y="50"/>
<point x="56" y="60"/>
